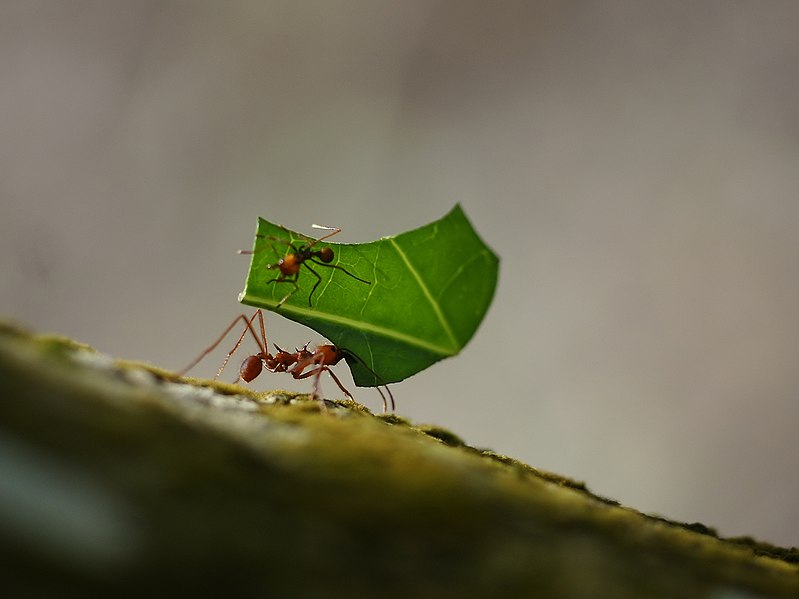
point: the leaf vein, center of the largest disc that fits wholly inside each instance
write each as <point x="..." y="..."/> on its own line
<point x="460" y="269"/>
<point x="433" y="302"/>
<point x="367" y="328"/>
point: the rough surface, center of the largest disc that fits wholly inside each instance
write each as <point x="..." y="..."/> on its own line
<point x="121" y="479"/>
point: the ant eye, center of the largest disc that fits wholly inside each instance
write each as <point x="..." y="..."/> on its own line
<point x="326" y="255"/>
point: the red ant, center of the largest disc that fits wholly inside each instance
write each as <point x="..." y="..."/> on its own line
<point x="296" y="364"/>
<point x="289" y="265"/>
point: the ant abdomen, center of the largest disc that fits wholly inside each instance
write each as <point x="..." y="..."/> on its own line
<point x="250" y="368"/>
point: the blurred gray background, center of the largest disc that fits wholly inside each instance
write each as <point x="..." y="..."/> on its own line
<point x="634" y="164"/>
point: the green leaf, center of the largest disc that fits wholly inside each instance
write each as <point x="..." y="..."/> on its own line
<point x="427" y="291"/>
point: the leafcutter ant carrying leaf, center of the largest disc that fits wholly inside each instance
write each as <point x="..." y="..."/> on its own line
<point x="303" y="363"/>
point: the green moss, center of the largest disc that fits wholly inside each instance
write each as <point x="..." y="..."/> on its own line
<point x="521" y="467"/>
<point x="395" y="419"/>
<point x="211" y="488"/>
<point x="444" y="435"/>
<point x="790" y="555"/>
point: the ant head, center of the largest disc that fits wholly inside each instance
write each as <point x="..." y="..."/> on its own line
<point x="326" y="255"/>
<point x="328" y="354"/>
<point x="250" y="368"/>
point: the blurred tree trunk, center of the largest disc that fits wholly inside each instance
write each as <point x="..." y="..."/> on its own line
<point x="121" y="480"/>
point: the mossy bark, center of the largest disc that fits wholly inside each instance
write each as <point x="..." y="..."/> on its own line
<point x="120" y="479"/>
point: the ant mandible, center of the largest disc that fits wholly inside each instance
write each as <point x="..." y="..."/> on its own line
<point x="290" y="264"/>
<point x="294" y="363"/>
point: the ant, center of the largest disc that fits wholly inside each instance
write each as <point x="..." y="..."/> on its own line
<point x="294" y="363"/>
<point x="289" y="265"/>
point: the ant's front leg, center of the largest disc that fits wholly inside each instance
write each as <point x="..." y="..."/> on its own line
<point x="317" y="373"/>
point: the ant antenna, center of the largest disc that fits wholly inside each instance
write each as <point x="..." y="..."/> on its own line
<point x="347" y="352"/>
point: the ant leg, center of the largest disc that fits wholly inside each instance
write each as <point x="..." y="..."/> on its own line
<point x="288" y="243"/>
<point x="248" y="327"/>
<point x="317" y="372"/>
<point x="318" y="280"/>
<point x="335" y="231"/>
<point x="238" y="343"/>
<point x="341" y="268"/>
<point x="282" y="279"/>
<point x="290" y="234"/>
<point x="290" y="293"/>
<point x="346" y="353"/>
<point x="338" y="382"/>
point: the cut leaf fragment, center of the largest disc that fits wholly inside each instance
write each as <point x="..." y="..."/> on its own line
<point x="427" y="292"/>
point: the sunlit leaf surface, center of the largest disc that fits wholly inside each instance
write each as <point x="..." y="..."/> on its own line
<point x="427" y="291"/>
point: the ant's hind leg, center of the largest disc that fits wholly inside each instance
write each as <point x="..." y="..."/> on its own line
<point x="342" y="269"/>
<point x="248" y="322"/>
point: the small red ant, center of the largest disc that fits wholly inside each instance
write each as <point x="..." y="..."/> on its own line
<point x="296" y="364"/>
<point x="289" y="265"/>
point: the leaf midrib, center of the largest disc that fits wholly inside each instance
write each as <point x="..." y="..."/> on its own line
<point x="361" y="326"/>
